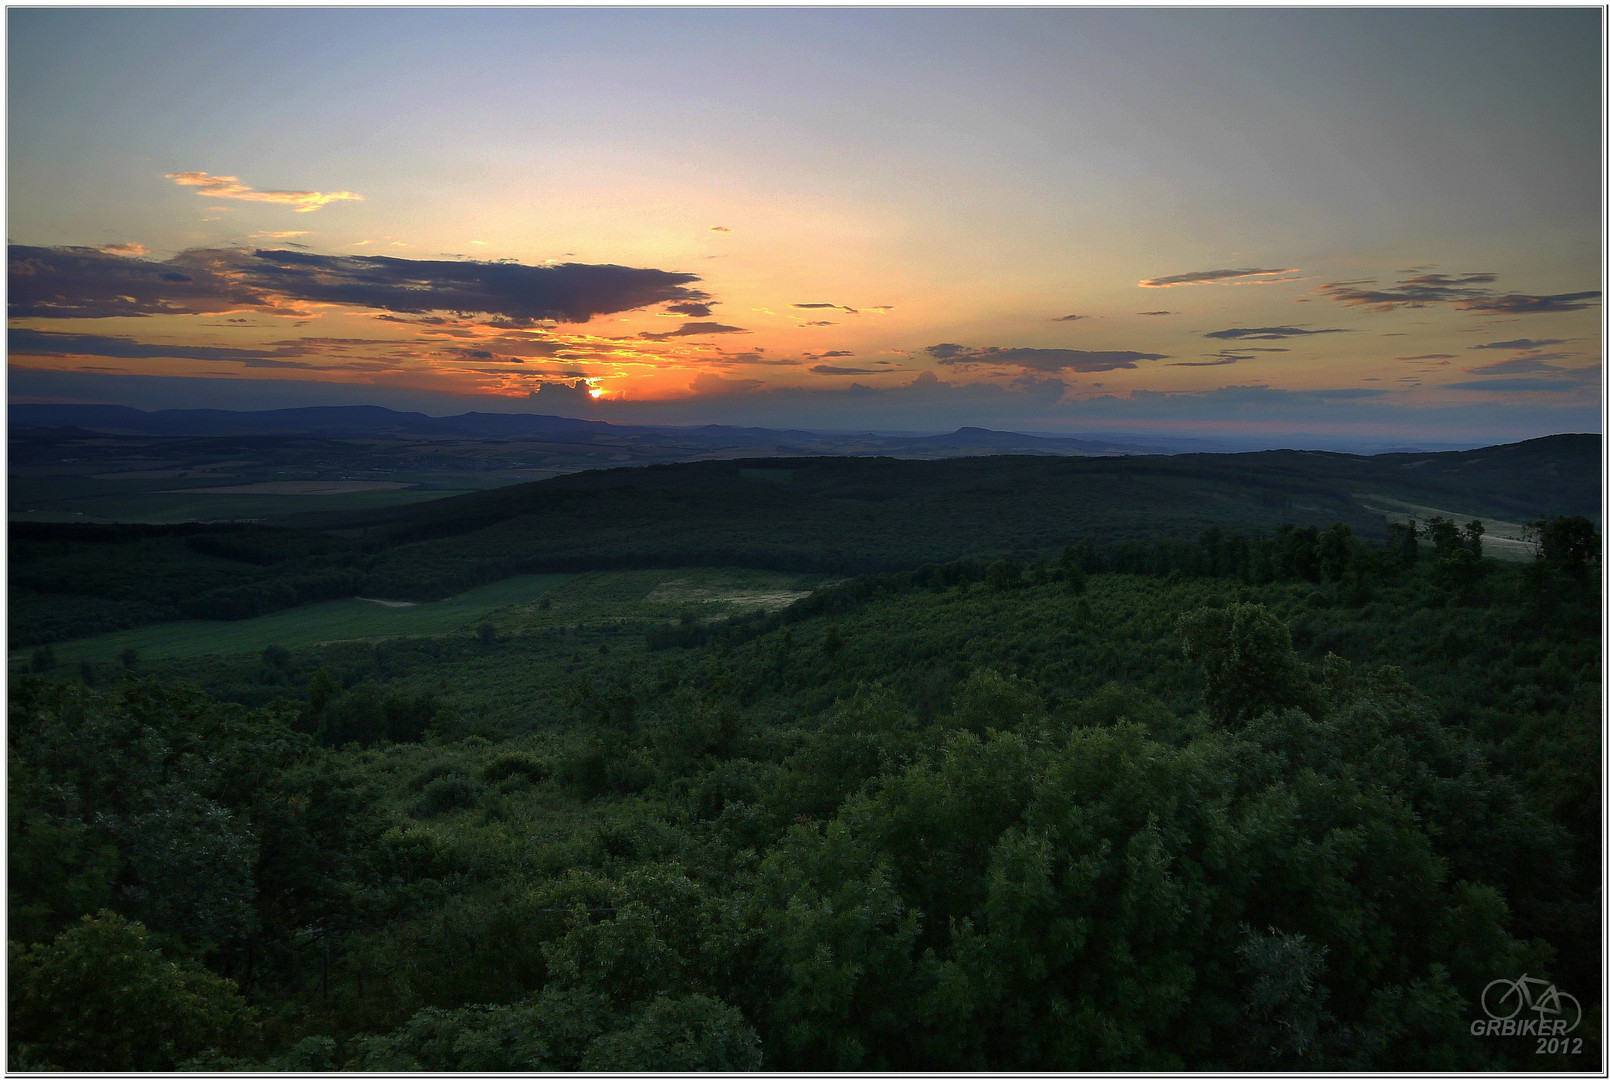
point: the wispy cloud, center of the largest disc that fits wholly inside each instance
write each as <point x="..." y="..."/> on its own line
<point x="1244" y="276"/>
<point x="1070" y="318"/>
<point x="1412" y="292"/>
<point x="229" y="187"/>
<point x="836" y="307"/>
<point x="1521" y="343"/>
<point x="1522" y="304"/>
<point x="123" y="249"/>
<point x="1530" y="364"/>
<point x="25" y="342"/>
<point x="829" y="369"/>
<point x="1041" y="360"/>
<point x="1154" y="313"/>
<point x="692" y="328"/>
<point x="1266" y="333"/>
<point x="1226" y="358"/>
<point x="1522" y="385"/>
<point x="1464" y="292"/>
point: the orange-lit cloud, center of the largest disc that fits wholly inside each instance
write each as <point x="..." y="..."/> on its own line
<point x="229" y="187"/>
<point x="123" y="249"/>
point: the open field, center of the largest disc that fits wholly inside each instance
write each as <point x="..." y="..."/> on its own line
<point x="335" y="620"/>
<point x="525" y="604"/>
<point x="1503" y="539"/>
<point x="694" y="593"/>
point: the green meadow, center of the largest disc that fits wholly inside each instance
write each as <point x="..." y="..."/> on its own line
<point x="524" y="604"/>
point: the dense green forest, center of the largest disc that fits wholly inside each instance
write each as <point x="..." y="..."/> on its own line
<point x="1221" y="797"/>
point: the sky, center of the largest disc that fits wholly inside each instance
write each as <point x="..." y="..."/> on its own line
<point x="1357" y="224"/>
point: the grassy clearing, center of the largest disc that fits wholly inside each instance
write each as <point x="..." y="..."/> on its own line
<point x="528" y="604"/>
<point x="628" y="595"/>
<point x="334" y="620"/>
<point x="1502" y="540"/>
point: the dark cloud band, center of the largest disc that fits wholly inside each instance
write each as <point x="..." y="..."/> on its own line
<point x="1041" y="360"/>
<point x="87" y="283"/>
<point x="1266" y="333"/>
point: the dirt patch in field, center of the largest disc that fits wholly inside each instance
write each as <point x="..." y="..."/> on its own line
<point x="296" y="487"/>
<point x="1503" y="539"/>
<point x="385" y="603"/>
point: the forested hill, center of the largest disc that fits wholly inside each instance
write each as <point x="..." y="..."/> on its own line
<point x="854" y="515"/>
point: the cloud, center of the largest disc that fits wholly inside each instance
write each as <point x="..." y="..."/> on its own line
<point x="836" y="307"/>
<point x="719" y="384"/>
<point x="122" y="249"/>
<point x="561" y="395"/>
<point x="1554" y="386"/>
<point x="1521" y="343"/>
<point x="1042" y="360"/>
<point x="1154" y="313"/>
<point x="1531" y="364"/>
<point x="1226" y="358"/>
<point x="1248" y="276"/>
<point x="1413" y="292"/>
<point x="1427" y="356"/>
<point x="719" y="228"/>
<point x="1465" y="292"/>
<point x="1070" y="318"/>
<point x="829" y="354"/>
<point x="1266" y="333"/>
<point x="1520" y="304"/>
<point x="756" y="358"/>
<point x="27" y="342"/>
<point x="692" y="328"/>
<point x="829" y="369"/>
<point x="690" y="308"/>
<point x="281" y="234"/>
<point x="229" y="187"/>
<point x="86" y="283"/>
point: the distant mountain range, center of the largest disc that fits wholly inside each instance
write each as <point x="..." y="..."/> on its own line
<point x="644" y="444"/>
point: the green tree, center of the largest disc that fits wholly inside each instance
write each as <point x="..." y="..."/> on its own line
<point x="1248" y="663"/>
<point x="694" y="1033"/>
<point x="101" y="997"/>
<point x="1335" y="552"/>
<point x="1565" y="544"/>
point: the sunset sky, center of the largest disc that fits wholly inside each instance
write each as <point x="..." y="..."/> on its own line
<point x="1371" y="224"/>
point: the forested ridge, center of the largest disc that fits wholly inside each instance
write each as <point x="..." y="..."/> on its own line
<point x="1282" y="799"/>
<point x="821" y="515"/>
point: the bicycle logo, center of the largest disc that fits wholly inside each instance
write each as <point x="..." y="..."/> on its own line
<point x="1558" y="1013"/>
